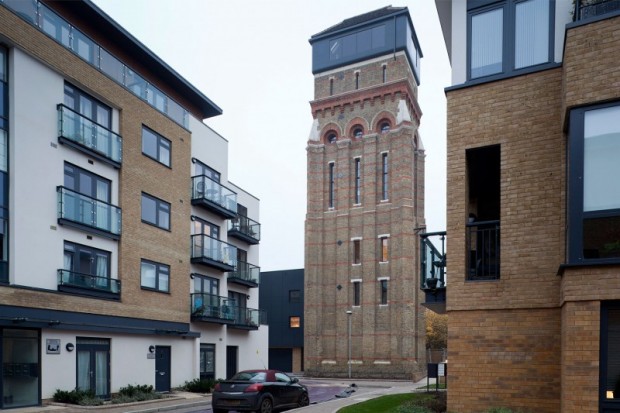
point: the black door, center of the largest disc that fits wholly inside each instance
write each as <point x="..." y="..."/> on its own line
<point x="231" y="361"/>
<point x="162" y="368"/>
<point x="281" y="359"/>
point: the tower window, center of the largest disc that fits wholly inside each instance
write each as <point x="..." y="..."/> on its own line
<point x="384" y="177"/>
<point x="357" y="251"/>
<point x="331" y="137"/>
<point x="331" y="184"/>
<point x="384" y="74"/>
<point x="358" y="132"/>
<point x="331" y="86"/>
<point x="358" y="181"/>
<point x="384" y="245"/>
<point x="383" y="291"/>
<point x="385" y="127"/>
<point x="357" y="293"/>
<point x="357" y="80"/>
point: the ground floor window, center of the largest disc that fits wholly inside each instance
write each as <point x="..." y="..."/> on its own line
<point x="207" y="361"/>
<point x="610" y="357"/>
<point x="20" y="368"/>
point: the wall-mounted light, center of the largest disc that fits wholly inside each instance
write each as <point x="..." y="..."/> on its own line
<point x="151" y="349"/>
<point x="69" y="347"/>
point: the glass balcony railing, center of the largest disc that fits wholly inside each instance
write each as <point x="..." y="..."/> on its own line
<point x="245" y="273"/>
<point x="214" y="196"/>
<point x="433" y="260"/>
<point x="483" y="250"/>
<point x="248" y="318"/>
<point x="213" y="252"/>
<point x="212" y="307"/>
<point x="245" y="229"/>
<point x="90" y="136"/>
<point x="585" y="9"/>
<point x="84" y="211"/>
<point x="47" y="21"/>
<point x="78" y="281"/>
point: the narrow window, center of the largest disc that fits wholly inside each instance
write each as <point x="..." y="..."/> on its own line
<point x="357" y="251"/>
<point x="331" y="86"/>
<point x="294" y="296"/>
<point x="384" y="177"/>
<point x="385" y="127"/>
<point x="331" y="184"/>
<point x="357" y="80"/>
<point x="487" y="43"/>
<point x="531" y="33"/>
<point x="331" y="138"/>
<point x="155" y="211"/>
<point x="358" y="181"/>
<point x="154" y="276"/>
<point x="294" y="322"/>
<point x="384" y="75"/>
<point x="358" y="132"/>
<point x="357" y="293"/>
<point x="155" y="146"/>
<point x="383" y="285"/>
<point x="384" y="243"/>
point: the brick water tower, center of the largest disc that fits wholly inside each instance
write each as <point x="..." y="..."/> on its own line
<point x="365" y="201"/>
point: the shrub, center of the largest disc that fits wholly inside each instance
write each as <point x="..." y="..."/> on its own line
<point x="76" y="396"/>
<point x="199" y="386"/>
<point x="132" y="391"/>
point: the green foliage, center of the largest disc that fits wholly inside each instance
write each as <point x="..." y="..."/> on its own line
<point x="133" y="390"/>
<point x="402" y="403"/>
<point x="76" y="396"/>
<point x="199" y="386"/>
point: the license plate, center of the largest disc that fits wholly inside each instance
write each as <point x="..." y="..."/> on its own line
<point x="232" y="402"/>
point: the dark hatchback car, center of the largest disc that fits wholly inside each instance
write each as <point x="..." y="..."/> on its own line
<point x="261" y="391"/>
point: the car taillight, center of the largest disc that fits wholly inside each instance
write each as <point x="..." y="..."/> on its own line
<point x="254" y="387"/>
<point x="217" y="387"/>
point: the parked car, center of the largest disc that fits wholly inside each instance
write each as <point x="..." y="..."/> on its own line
<point x="261" y="391"/>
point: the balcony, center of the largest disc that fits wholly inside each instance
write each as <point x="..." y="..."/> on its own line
<point x="89" y="214"/>
<point x="88" y="285"/>
<point x="213" y="253"/>
<point x="483" y="251"/>
<point x="585" y="9"/>
<point x="245" y="274"/>
<point x="211" y="309"/>
<point x="247" y="318"/>
<point x="89" y="137"/>
<point x="433" y="270"/>
<point x="244" y="229"/>
<point x="215" y="197"/>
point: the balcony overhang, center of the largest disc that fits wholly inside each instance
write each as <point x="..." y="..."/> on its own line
<point x="241" y="281"/>
<point x="214" y="207"/>
<point x="247" y="327"/>
<point x="240" y="235"/>
<point x="87" y="228"/>
<point x="212" y="263"/>
<point x="211" y="319"/>
<point x="88" y="292"/>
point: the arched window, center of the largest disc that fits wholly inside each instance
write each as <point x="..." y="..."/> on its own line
<point x="384" y="126"/>
<point x="358" y="131"/>
<point x="331" y="137"/>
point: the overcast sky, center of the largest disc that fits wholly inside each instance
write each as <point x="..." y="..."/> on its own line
<point x="252" y="58"/>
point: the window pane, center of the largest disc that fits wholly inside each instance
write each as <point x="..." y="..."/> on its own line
<point x="84" y="47"/>
<point x="486" y="43"/>
<point x="149" y="210"/>
<point x="164" y="152"/>
<point x="349" y="45"/>
<point x="135" y="83"/>
<point x="335" y="49"/>
<point x="149" y="143"/>
<point x="601" y="168"/>
<point x="164" y="216"/>
<point x="601" y="237"/>
<point x="148" y="271"/>
<point x="53" y="25"/>
<point x="378" y="37"/>
<point x="164" y="275"/>
<point x="531" y="33"/>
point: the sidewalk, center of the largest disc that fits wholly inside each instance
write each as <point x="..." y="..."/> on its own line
<point x="366" y="389"/>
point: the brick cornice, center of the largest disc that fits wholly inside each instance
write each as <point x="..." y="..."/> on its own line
<point x="362" y="96"/>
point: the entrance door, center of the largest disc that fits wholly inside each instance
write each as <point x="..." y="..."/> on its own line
<point x="162" y="368"/>
<point x="231" y="360"/>
<point x="207" y="361"/>
<point x="93" y="366"/>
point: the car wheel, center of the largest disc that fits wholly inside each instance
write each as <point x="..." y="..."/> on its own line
<point x="304" y="400"/>
<point x="265" y="406"/>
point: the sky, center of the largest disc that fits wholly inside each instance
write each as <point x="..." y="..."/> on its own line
<point x="252" y="59"/>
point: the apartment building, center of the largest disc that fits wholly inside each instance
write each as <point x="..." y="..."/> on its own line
<point x="533" y="296"/>
<point x="119" y="225"/>
<point x="365" y="201"/>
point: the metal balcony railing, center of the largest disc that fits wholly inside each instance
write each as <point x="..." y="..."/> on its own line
<point x="245" y="229"/>
<point x="89" y="136"/>
<point x="78" y="280"/>
<point x="245" y="273"/>
<point x="585" y="9"/>
<point x="483" y="250"/>
<point x="214" y="196"/>
<point x="85" y="211"/>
